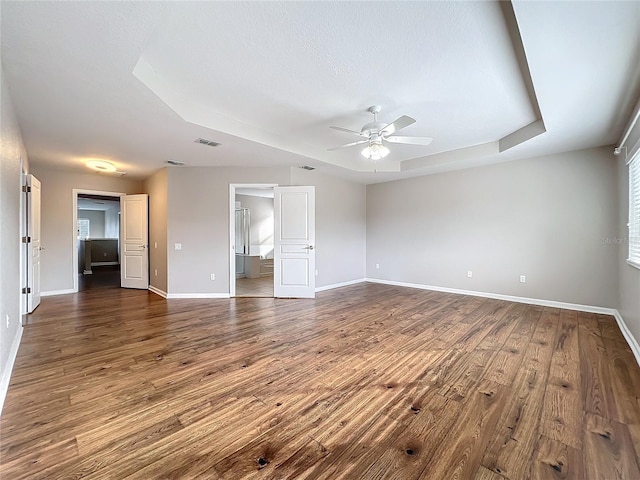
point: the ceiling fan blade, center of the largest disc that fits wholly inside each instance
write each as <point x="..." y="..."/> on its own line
<point x="347" y="145"/>
<point x="397" y="124"/>
<point x="409" y="140"/>
<point x="360" y="134"/>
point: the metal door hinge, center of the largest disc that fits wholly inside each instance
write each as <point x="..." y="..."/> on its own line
<point x="26" y="239"/>
<point x="26" y="189"/>
<point x="26" y="290"/>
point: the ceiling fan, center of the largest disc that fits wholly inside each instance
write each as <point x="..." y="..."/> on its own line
<point x="376" y="133"/>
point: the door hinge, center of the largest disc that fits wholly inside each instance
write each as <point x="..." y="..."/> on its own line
<point x="26" y="239"/>
<point x="26" y="290"/>
<point x="26" y="189"/>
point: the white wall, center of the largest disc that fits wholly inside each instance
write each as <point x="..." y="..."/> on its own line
<point x="96" y="222"/>
<point x="11" y="151"/>
<point x="57" y="229"/>
<point x="545" y="218"/>
<point x="340" y="226"/>
<point x="112" y="222"/>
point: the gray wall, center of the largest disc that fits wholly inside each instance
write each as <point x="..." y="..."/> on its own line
<point x="96" y="222"/>
<point x="340" y="226"/>
<point x="545" y="218"/>
<point x="628" y="276"/>
<point x="156" y="187"/>
<point x="58" y="234"/>
<point x="11" y="150"/>
<point x="198" y="218"/>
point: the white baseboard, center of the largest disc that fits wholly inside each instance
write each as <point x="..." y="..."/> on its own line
<point x="157" y="291"/>
<point x="498" y="296"/>
<point x="197" y="295"/>
<point x="6" y="374"/>
<point x="102" y="264"/>
<point x="51" y="293"/>
<point x="341" y="284"/>
<point x="633" y="343"/>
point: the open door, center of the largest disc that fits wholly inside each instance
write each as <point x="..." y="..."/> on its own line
<point x="134" y="241"/>
<point x="294" y="242"/>
<point x="33" y="241"/>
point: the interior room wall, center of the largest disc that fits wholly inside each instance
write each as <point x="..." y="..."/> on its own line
<point x="11" y="152"/>
<point x="58" y="235"/>
<point x="547" y="218"/>
<point x="156" y="187"/>
<point x="112" y="221"/>
<point x="96" y="222"/>
<point x="629" y="276"/>
<point x="341" y="241"/>
<point x="261" y="226"/>
<point x="198" y="219"/>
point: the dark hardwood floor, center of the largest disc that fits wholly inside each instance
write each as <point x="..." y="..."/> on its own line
<point x="368" y="381"/>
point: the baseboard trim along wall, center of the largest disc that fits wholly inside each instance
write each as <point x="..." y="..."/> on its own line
<point x="633" y="344"/>
<point x="6" y="374"/>
<point x="197" y="295"/>
<point x="52" y="293"/>
<point x="341" y="284"/>
<point x="157" y="291"/>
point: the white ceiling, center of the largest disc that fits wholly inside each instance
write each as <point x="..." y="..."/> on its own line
<point x="136" y="83"/>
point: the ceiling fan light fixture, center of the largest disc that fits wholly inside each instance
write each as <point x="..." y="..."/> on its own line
<point x="375" y="151"/>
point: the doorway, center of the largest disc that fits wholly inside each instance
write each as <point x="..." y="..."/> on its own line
<point x="97" y="239"/>
<point x="253" y="229"/>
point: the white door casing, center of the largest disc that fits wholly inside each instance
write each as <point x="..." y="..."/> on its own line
<point x="134" y="241"/>
<point x="34" y="242"/>
<point x="294" y="242"/>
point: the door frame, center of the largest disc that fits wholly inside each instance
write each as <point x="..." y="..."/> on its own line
<point x="232" y="228"/>
<point x="74" y="242"/>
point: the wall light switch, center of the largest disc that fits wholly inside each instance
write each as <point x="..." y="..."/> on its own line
<point x="469" y="274"/>
<point x="213" y="276"/>
<point x="523" y="279"/>
<point x="156" y="272"/>
<point x="377" y="266"/>
<point x="178" y="246"/>
<point x="155" y="244"/>
<point x="316" y="273"/>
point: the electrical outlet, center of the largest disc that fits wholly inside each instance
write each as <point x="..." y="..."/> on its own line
<point x="178" y="246"/>
<point x="213" y="276"/>
<point x="469" y="274"/>
<point x="377" y="266"/>
<point x="523" y="279"/>
<point x="105" y="254"/>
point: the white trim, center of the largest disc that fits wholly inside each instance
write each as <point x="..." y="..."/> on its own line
<point x="633" y="264"/>
<point x="197" y="295"/>
<point x="498" y="296"/>
<point x="157" y="291"/>
<point x="102" y="264"/>
<point x="633" y="343"/>
<point x="341" y="284"/>
<point x="51" y="293"/>
<point x="6" y="374"/>
<point x="74" y="237"/>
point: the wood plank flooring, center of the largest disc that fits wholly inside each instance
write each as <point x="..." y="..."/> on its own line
<point x="365" y="382"/>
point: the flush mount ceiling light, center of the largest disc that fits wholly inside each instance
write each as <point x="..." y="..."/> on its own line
<point x="101" y="166"/>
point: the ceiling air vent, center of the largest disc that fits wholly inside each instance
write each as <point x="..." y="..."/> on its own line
<point x="177" y="163"/>
<point x="210" y="143"/>
<point x="308" y="167"/>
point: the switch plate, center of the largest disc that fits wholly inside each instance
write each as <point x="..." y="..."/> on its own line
<point x="178" y="246"/>
<point x="469" y="274"/>
<point x="316" y="273"/>
<point x="155" y="244"/>
<point x="156" y="272"/>
<point x="523" y="279"/>
<point x="7" y="320"/>
<point x="213" y="276"/>
<point x="377" y="266"/>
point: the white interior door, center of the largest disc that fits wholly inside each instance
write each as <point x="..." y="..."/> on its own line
<point x="294" y="258"/>
<point x="134" y="241"/>
<point x="34" y="242"/>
